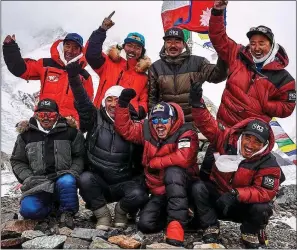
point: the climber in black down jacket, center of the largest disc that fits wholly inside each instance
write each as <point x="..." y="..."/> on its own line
<point x="113" y="172"/>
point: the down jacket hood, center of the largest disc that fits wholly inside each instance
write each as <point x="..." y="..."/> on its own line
<point x="56" y="50"/>
<point x="140" y="66"/>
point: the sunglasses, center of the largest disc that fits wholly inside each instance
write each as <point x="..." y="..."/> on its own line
<point x="261" y="29"/>
<point x="48" y="115"/>
<point x="155" y="121"/>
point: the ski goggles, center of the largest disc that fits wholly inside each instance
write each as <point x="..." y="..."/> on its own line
<point x="156" y="121"/>
<point x="48" y="115"/>
<point x="261" y="29"/>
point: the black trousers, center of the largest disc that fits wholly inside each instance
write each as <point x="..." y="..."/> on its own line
<point x="96" y="193"/>
<point x="252" y="216"/>
<point x="162" y="209"/>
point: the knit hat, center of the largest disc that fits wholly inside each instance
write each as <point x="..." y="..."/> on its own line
<point x="135" y="37"/>
<point x="75" y="38"/>
<point x="112" y="91"/>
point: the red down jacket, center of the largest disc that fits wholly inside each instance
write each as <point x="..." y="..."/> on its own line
<point x="249" y="93"/>
<point x="116" y="71"/>
<point x="54" y="79"/>
<point x="251" y="173"/>
<point x="158" y="155"/>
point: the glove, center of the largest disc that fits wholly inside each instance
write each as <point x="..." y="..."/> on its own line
<point x="73" y="69"/>
<point x="9" y="40"/>
<point x="196" y="95"/>
<point x="126" y="96"/>
<point x="227" y="200"/>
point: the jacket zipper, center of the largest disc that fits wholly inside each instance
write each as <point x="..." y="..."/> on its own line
<point x="119" y="78"/>
<point x="174" y="80"/>
<point x="44" y="80"/>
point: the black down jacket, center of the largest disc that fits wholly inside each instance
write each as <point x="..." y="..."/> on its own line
<point x="108" y="154"/>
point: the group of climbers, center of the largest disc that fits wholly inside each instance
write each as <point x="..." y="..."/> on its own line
<point x="141" y="143"/>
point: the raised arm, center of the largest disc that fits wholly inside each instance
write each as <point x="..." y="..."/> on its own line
<point x="94" y="53"/>
<point x="129" y="130"/>
<point x="214" y="73"/>
<point x="86" y="110"/>
<point x="226" y="48"/>
<point x="27" y="69"/>
<point x="203" y="119"/>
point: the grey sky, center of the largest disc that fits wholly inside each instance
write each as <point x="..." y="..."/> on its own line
<point x="145" y="17"/>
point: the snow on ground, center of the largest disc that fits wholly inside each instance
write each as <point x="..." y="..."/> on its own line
<point x="8" y="182"/>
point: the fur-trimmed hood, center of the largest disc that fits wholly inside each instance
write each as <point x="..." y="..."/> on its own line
<point x="141" y="66"/>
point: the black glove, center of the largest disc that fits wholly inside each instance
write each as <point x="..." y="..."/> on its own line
<point x="126" y="96"/>
<point x="196" y="95"/>
<point x="73" y="69"/>
<point x="227" y="200"/>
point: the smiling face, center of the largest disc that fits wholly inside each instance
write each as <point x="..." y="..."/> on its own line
<point x="71" y="50"/>
<point x="250" y="145"/>
<point x="174" y="46"/>
<point x="110" y="104"/>
<point x="133" y="50"/>
<point x="260" y="46"/>
<point x="162" y="127"/>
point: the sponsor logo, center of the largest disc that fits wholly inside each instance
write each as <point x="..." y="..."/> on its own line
<point x="45" y="103"/>
<point x="268" y="182"/>
<point x="52" y="78"/>
<point x="292" y="96"/>
<point x="158" y="107"/>
<point x="258" y="127"/>
<point x="184" y="143"/>
<point x="173" y="33"/>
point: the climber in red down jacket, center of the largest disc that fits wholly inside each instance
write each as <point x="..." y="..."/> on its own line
<point x="113" y="69"/>
<point x="244" y="179"/>
<point x="169" y="159"/>
<point x="258" y="84"/>
<point x="51" y="71"/>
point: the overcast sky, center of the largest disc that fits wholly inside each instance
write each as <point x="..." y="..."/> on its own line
<point x="144" y="17"/>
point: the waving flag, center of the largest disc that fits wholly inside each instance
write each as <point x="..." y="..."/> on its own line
<point x="285" y="144"/>
<point x="190" y="15"/>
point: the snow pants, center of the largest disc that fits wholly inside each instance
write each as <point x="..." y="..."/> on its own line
<point x="38" y="206"/>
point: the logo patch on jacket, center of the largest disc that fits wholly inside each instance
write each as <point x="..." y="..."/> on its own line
<point x="291" y="96"/>
<point x="268" y="182"/>
<point x="53" y="78"/>
<point x="184" y="143"/>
